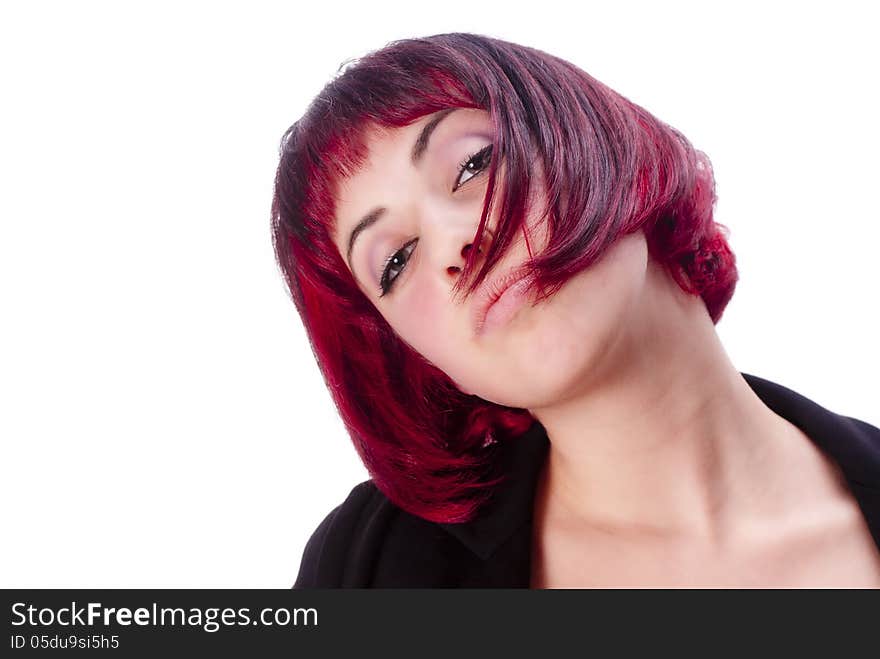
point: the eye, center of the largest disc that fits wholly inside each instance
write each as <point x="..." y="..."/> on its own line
<point x="396" y="262"/>
<point x="473" y="165"/>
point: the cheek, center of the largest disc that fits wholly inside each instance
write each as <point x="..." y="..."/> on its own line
<point x="419" y="319"/>
<point x="434" y="329"/>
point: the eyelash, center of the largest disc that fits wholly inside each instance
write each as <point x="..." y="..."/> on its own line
<point x="385" y="283"/>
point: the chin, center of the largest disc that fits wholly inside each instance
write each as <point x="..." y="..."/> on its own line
<point x="534" y="379"/>
<point x="551" y="359"/>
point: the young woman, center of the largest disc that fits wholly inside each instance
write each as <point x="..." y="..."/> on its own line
<point x="510" y="277"/>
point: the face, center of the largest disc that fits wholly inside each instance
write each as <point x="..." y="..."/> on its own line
<point x="431" y="212"/>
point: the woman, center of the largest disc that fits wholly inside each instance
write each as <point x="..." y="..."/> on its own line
<point x="510" y="277"/>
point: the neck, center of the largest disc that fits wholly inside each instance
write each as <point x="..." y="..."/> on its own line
<point x="665" y="436"/>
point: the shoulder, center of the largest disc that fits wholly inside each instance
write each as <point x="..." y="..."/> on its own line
<point x="367" y="541"/>
<point x="852" y="442"/>
<point x="326" y="553"/>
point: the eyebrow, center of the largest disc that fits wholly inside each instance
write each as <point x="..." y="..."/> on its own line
<point x="418" y="150"/>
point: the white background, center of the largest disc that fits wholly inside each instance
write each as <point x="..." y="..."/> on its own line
<point x="163" y="421"/>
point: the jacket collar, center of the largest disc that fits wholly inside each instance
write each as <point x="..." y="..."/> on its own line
<point x="853" y="444"/>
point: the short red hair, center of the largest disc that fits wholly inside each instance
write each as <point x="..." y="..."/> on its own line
<point x="611" y="168"/>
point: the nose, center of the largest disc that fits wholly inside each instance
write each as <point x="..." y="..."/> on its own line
<point x="448" y="234"/>
<point x="455" y="269"/>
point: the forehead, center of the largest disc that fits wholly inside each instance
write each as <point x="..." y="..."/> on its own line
<point x="388" y="152"/>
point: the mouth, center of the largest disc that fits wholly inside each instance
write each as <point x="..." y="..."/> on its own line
<point x="500" y="299"/>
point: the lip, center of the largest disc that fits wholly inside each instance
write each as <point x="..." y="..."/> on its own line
<point x="491" y="292"/>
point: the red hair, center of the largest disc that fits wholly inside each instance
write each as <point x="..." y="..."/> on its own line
<point x="611" y="168"/>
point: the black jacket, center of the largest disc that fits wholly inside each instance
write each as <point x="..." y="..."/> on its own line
<point x="368" y="542"/>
